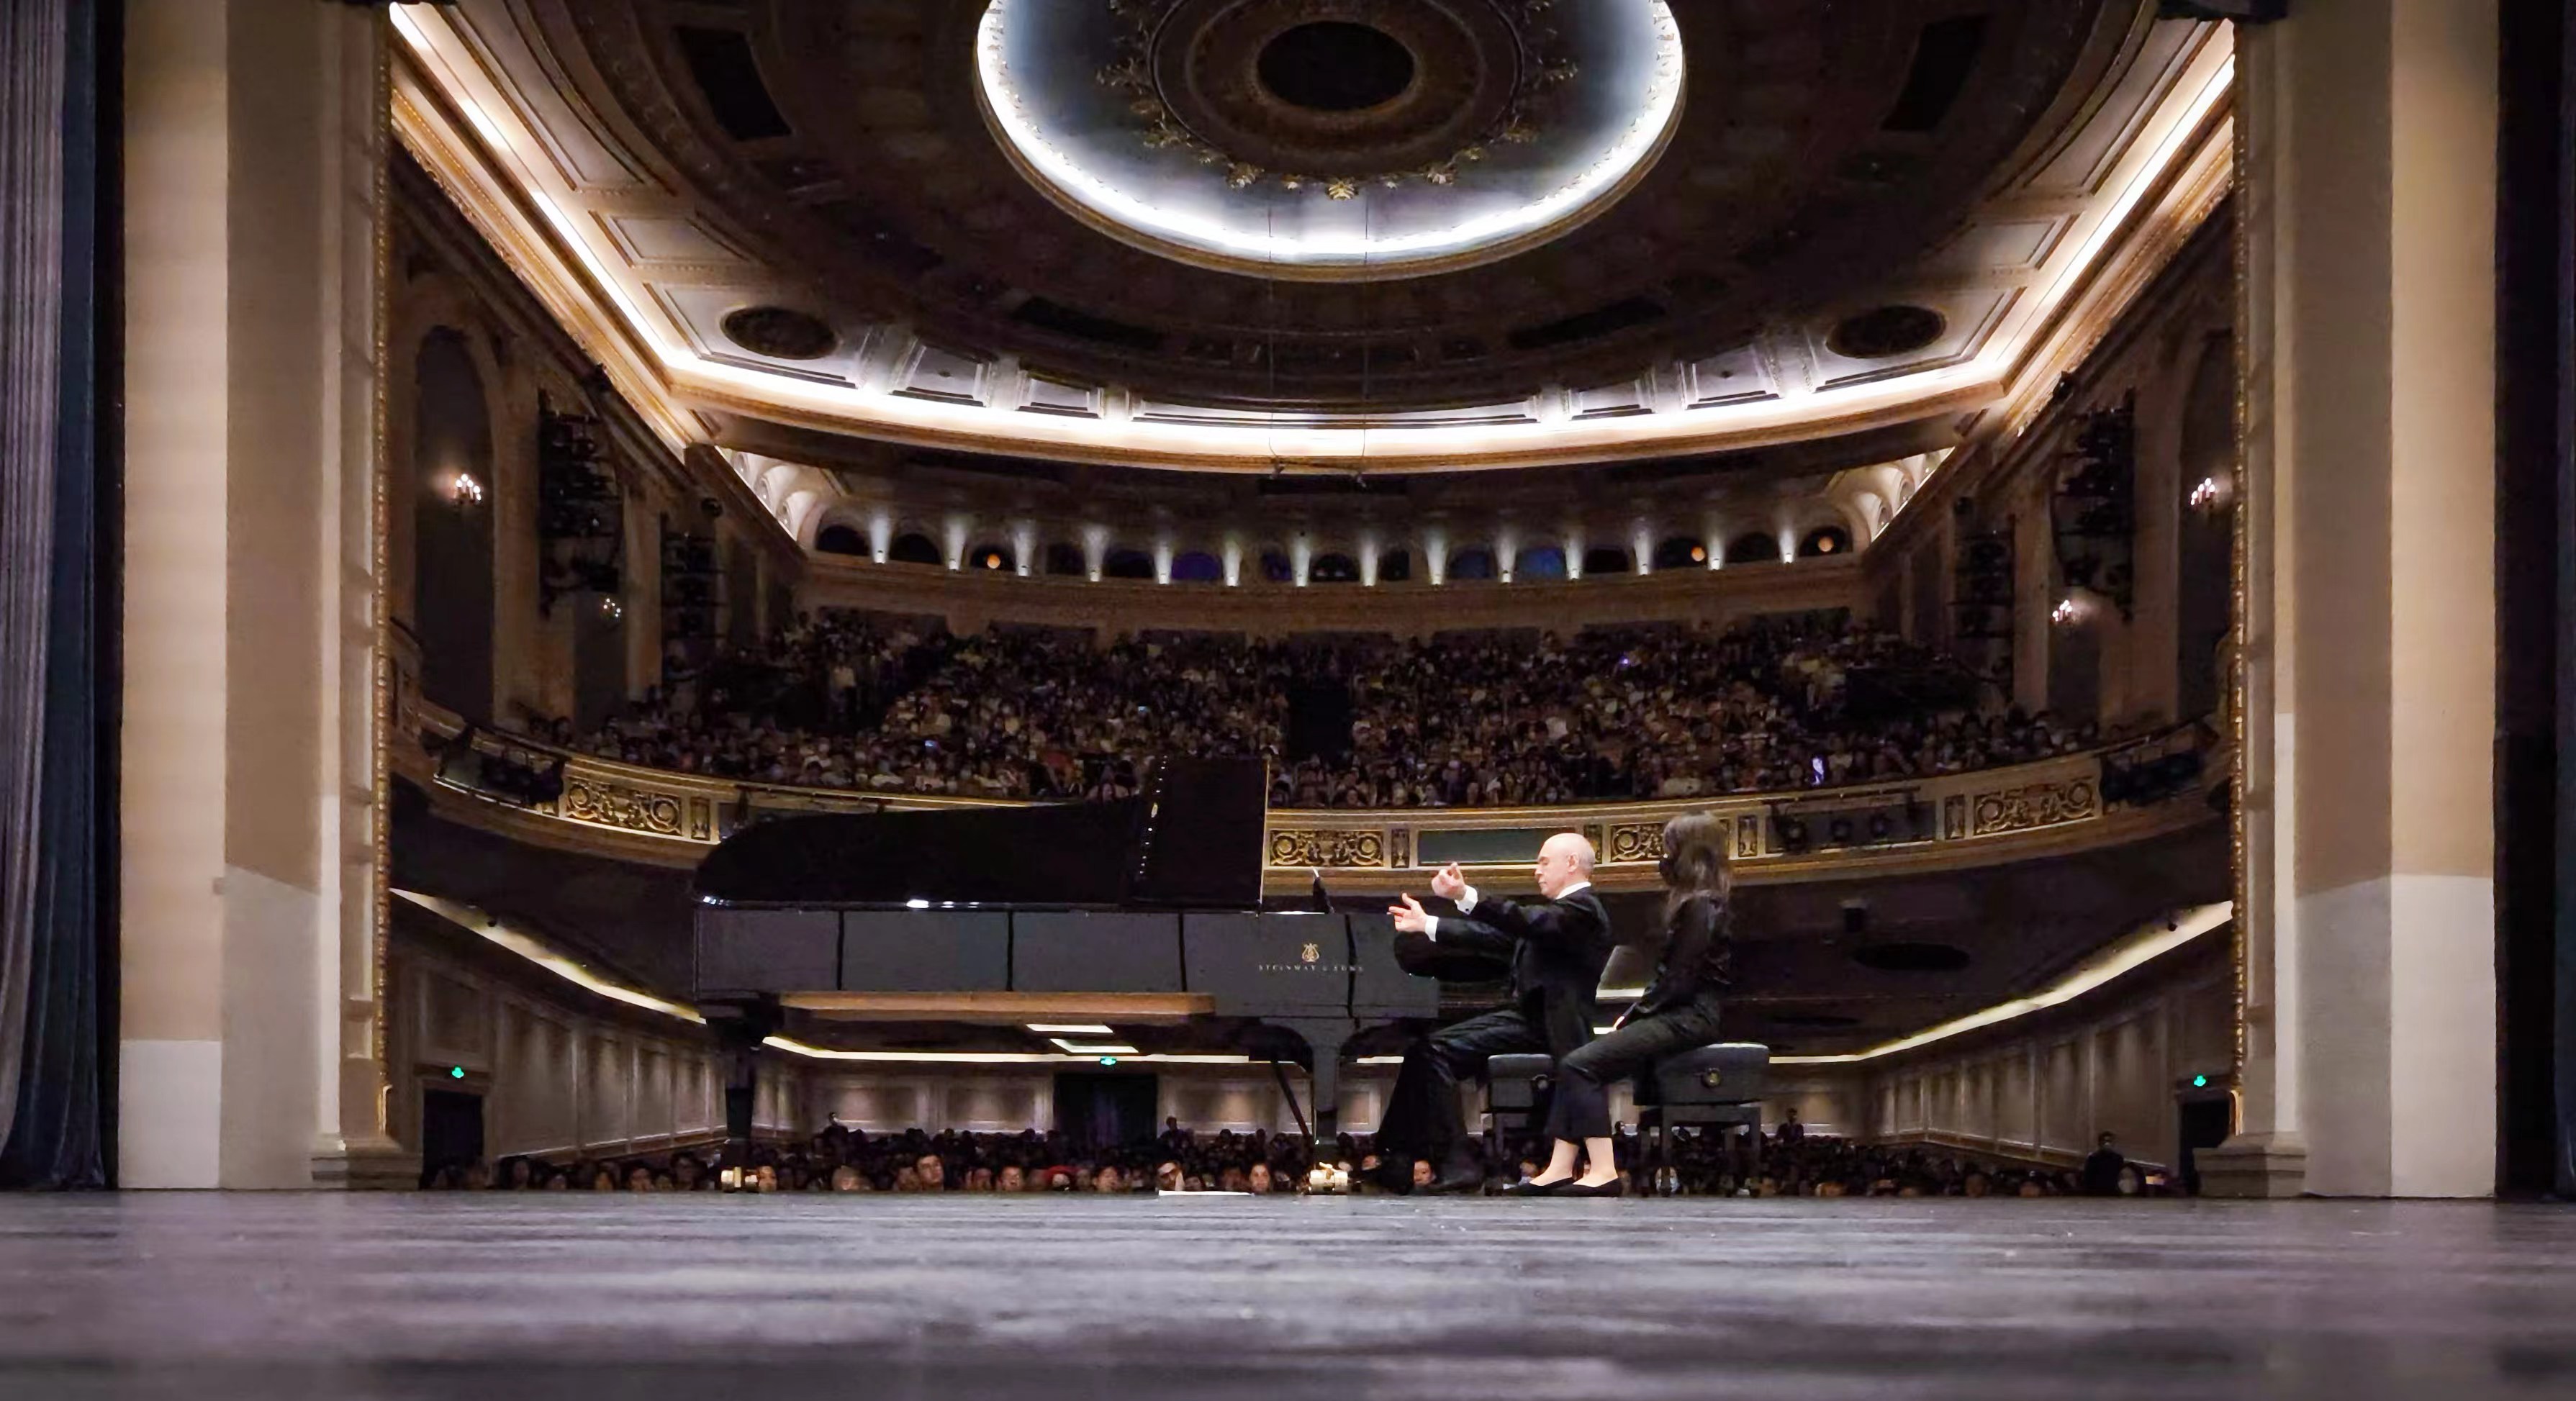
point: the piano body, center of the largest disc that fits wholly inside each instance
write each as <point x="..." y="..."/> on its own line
<point x="1139" y="913"/>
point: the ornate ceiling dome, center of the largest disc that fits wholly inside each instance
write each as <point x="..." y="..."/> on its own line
<point x="1256" y="234"/>
<point x="1332" y="139"/>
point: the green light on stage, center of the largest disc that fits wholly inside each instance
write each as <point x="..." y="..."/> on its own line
<point x="1108" y="1060"/>
<point x="456" y="1072"/>
<point x="2200" y="1082"/>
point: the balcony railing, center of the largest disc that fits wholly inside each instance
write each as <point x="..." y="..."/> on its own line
<point x="540" y="793"/>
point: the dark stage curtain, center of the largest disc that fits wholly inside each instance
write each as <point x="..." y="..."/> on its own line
<point x="51" y="1090"/>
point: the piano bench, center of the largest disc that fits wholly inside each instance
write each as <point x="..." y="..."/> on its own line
<point x="1517" y="1088"/>
<point x="1716" y="1086"/>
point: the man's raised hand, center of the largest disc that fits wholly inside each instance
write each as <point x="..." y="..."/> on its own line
<point x="1408" y="916"/>
<point x="1450" y="882"/>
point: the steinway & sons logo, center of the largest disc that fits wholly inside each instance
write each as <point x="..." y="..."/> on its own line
<point x="1310" y="959"/>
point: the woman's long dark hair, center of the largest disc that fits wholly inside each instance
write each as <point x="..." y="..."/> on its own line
<point x="1695" y="861"/>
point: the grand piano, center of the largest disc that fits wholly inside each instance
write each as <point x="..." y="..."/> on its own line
<point x="1141" y="912"/>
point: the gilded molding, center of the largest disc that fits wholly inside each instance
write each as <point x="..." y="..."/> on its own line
<point x="1327" y="848"/>
<point x="2032" y="805"/>
<point x="1634" y="841"/>
<point x="386" y="715"/>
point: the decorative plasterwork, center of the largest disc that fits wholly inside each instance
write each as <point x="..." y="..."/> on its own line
<point x="2114" y="205"/>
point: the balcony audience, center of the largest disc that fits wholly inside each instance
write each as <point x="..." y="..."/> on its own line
<point x="845" y="700"/>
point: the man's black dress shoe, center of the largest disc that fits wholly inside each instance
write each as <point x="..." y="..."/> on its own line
<point x="1453" y="1181"/>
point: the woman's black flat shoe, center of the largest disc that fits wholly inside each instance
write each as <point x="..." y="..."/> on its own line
<point x="1612" y="1188"/>
<point x="1537" y="1189"/>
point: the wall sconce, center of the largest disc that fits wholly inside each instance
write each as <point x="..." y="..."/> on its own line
<point x="2209" y="496"/>
<point x="2067" y="612"/>
<point x="610" y="608"/>
<point x="464" y="491"/>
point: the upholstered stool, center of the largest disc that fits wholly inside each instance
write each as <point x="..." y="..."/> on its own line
<point x="1716" y="1086"/>
<point x="1516" y="1094"/>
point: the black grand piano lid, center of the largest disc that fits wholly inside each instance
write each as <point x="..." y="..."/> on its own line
<point x="1193" y="838"/>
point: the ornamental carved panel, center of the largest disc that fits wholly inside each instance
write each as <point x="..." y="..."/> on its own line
<point x="2035" y="805"/>
<point x="1330" y="849"/>
<point x="1635" y="841"/>
<point x="607" y="804"/>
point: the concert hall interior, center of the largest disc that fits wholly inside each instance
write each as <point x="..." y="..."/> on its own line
<point x="1354" y="697"/>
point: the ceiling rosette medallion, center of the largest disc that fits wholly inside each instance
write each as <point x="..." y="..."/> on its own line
<point x="1332" y="139"/>
<point x="1328" y="96"/>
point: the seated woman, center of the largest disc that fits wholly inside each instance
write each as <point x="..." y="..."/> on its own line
<point x="1677" y="1013"/>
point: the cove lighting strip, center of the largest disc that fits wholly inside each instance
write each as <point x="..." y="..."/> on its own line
<point x="1644" y="136"/>
<point x="536" y="951"/>
<point x="2137" y="950"/>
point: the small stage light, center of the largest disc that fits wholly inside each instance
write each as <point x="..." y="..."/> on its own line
<point x="456" y="1072"/>
<point x="1108" y="1060"/>
<point x="2200" y="1082"/>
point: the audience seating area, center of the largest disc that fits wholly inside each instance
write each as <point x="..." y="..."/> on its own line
<point x="854" y="701"/>
<point x="840" y="1159"/>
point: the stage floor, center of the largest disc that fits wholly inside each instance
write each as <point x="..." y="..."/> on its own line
<point x="642" y="1299"/>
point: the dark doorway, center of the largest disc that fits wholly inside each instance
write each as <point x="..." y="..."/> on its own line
<point x="1103" y="1109"/>
<point x="451" y="1129"/>
<point x="2204" y="1123"/>
<point x="1319" y="718"/>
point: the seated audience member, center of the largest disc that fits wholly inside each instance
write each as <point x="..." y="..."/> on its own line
<point x="2102" y="1169"/>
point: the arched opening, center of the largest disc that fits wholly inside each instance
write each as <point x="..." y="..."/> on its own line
<point x="913" y="547"/>
<point x="1395" y="567"/>
<point x="1128" y="564"/>
<point x="991" y="558"/>
<point x="1606" y="561"/>
<point x="840" y="540"/>
<point x="1333" y="569"/>
<point x="1276" y="569"/>
<point x="1066" y="559"/>
<point x="1472" y="565"/>
<point x="1197" y="567"/>
<point x="1752" y="549"/>
<point x="452" y="570"/>
<point x="1680" y="552"/>
<point x="1545" y="562"/>
<point x="2202" y="543"/>
<point x="1823" y="541"/>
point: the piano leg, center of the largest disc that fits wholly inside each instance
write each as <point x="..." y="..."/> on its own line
<point x="739" y="1029"/>
<point x="1324" y="1040"/>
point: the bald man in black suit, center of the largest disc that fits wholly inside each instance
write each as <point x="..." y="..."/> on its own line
<point x="1553" y="949"/>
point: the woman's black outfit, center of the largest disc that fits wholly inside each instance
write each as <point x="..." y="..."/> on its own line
<point x="1678" y="1013"/>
